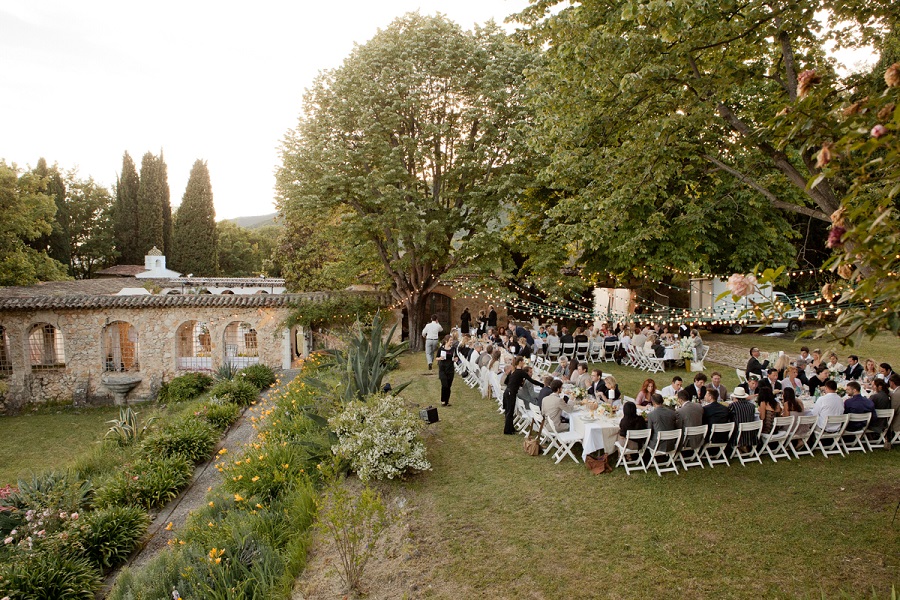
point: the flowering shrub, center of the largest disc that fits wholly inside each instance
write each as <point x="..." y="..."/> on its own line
<point x="381" y="438"/>
<point x="237" y="391"/>
<point x="260" y="375"/>
<point x="218" y="413"/>
<point x="149" y="483"/>
<point x="107" y="536"/>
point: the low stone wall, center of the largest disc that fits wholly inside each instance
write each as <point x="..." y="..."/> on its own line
<point x="81" y="379"/>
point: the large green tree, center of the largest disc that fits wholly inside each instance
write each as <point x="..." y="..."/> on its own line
<point x="246" y="252"/>
<point x="91" y="242"/>
<point x="125" y="214"/>
<point x="651" y="117"/>
<point x="26" y="213"/>
<point x="154" y="209"/>
<point x="194" y="248"/>
<point x="57" y="243"/>
<point x="415" y="145"/>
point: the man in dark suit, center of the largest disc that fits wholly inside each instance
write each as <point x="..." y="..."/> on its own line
<point x="753" y="365"/>
<point x="566" y="337"/>
<point x="715" y="413"/>
<point x="662" y="418"/>
<point x="492" y="317"/>
<point x="691" y="415"/>
<point x="597" y="387"/>
<point x="521" y="332"/>
<point x="771" y="380"/>
<point x="696" y="392"/>
<point x="854" y="369"/>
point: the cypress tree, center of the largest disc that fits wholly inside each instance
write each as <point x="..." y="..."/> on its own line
<point x="125" y="214"/>
<point x="153" y="193"/>
<point x="195" y="237"/>
<point x="165" y="202"/>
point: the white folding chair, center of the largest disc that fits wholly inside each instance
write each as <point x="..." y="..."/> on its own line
<point x="497" y="390"/>
<point x="664" y="460"/>
<point x="596" y="350"/>
<point x="552" y="355"/>
<point x="639" y="437"/>
<point x="803" y="430"/>
<point x="883" y="415"/>
<point x="522" y="417"/>
<point x="581" y="351"/>
<point x="852" y="440"/>
<point x="609" y="351"/>
<point x="564" y="441"/>
<point x="832" y="437"/>
<point x="688" y="456"/>
<point x="704" y="350"/>
<point x="773" y="443"/>
<point x="484" y="381"/>
<point x="656" y="365"/>
<point x="741" y="375"/>
<point x="642" y="361"/>
<point x="717" y="457"/>
<point x="568" y="350"/>
<point x="752" y="428"/>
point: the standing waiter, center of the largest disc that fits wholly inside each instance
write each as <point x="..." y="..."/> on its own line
<point x="446" y="370"/>
<point x="492" y="317"/>
<point x="513" y="384"/>
<point x="431" y="333"/>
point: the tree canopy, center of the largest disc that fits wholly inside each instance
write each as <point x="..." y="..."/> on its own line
<point x="194" y="247"/>
<point x="126" y="214"/>
<point x="154" y="209"/>
<point x="414" y="145"/>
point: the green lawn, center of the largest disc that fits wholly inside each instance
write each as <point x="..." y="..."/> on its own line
<point x="48" y="439"/>
<point x="495" y="523"/>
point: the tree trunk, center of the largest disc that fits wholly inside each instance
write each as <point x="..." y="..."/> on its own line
<point x="415" y="311"/>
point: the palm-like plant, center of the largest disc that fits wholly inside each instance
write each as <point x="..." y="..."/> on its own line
<point x="367" y="360"/>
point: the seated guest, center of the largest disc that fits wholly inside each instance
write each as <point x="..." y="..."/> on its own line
<point x="630" y="421"/>
<point x="553" y="406"/>
<point x="566" y="337"/>
<point x="751" y="386"/>
<point x="790" y="406"/>
<point x="596" y="387"/>
<point x="581" y="378"/>
<point x="768" y="408"/>
<point x="804" y="358"/>
<point x="513" y="346"/>
<point x="754" y="367"/>
<point x="882" y="401"/>
<point x="816" y="361"/>
<point x="527" y="392"/>
<point x="524" y="348"/>
<point x="742" y="411"/>
<point x="580" y="337"/>
<point x="648" y="388"/>
<point x="885" y="371"/>
<point x="782" y="363"/>
<point x="792" y="381"/>
<point x="691" y="415"/>
<point x="827" y="405"/>
<point x="552" y="341"/>
<point x="816" y="381"/>
<point x="697" y="391"/>
<point x="484" y="359"/>
<point x="639" y="339"/>
<point x="652" y="340"/>
<point x="715" y="383"/>
<point x="625" y="340"/>
<point x="662" y="418"/>
<point x="857" y="404"/>
<point x="715" y="413"/>
<point x="696" y="343"/>
<point x="656" y="348"/>
<point x="772" y="380"/>
<point x="833" y="363"/>
<point x="562" y="369"/>
<point x="545" y="391"/>
<point x="870" y="371"/>
<point x="612" y="385"/>
<point x="854" y="370"/>
<point x="671" y="391"/>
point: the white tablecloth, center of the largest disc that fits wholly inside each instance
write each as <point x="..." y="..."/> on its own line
<point x="596" y="434"/>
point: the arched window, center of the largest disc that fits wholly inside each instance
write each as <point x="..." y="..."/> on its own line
<point x="5" y="357"/>
<point x="45" y="347"/>
<point x="241" y="344"/>
<point x="227" y="293"/>
<point x="194" y="350"/>
<point x="120" y="347"/>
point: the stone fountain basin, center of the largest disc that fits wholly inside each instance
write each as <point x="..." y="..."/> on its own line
<point x="121" y="383"/>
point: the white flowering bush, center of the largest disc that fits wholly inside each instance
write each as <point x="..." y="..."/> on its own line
<point x="381" y="438"/>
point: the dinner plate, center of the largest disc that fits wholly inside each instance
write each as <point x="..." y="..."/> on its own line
<point x="589" y="419"/>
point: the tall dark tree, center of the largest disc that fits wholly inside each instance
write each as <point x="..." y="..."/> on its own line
<point x="153" y="204"/>
<point x="126" y="214"/>
<point x="168" y="225"/>
<point x="195" y="236"/>
<point x="56" y="243"/>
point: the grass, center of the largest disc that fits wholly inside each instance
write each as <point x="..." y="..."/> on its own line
<point x="883" y="348"/>
<point x="48" y="439"/>
<point x="500" y="524"/>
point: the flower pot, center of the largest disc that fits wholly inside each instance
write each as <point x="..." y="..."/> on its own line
<point x="687" y="364"/>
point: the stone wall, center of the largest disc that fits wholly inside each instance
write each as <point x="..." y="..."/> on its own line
<point x="80" y="380"/>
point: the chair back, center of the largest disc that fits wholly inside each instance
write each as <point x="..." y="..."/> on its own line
<point x="723" y="428"/>
<point x="665" y="436"/>
<point x="785" y="424"/>
<point x="568" y="350"/>
<point x="741" y="375"/>
<point x="840" y="420"/>
<point x="859" y="418"/>
<point x="637" y="435"/>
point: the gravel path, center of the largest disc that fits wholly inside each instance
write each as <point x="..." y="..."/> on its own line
<point x="205" y="477"/>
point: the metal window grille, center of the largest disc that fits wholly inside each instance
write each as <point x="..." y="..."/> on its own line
<point x="120" y="347"/>
<point x="45" y="347"/>
<point x="5" y="357"/>
<point x="241" y="344"/>
<point x="194" y="346"/>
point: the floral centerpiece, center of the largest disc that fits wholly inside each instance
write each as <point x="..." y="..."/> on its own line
<point x="687" y="350"/>
<point x="609" y="410"/>
<point x="670" y="401"/>
<point x="592" y="406"/>
<point x="578" y="394"/>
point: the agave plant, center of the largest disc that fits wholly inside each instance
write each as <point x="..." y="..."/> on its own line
<point x="126" y="430"/>
<point x="367" y="360"/>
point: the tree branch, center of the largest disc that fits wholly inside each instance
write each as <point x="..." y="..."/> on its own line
<point x="803" y="210"/>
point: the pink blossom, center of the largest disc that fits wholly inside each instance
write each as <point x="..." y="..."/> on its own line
<point x="834" y="238"/>
<point x="8" y="541"/>
<point x="741" y="285"/>
<point x="63" y="515"/>
<point x="41" y="532"/>
<point x="878" y="131"/>
<point x="74" y="516"/>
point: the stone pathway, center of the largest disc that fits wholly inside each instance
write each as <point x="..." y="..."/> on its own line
<point x="205" y="477"/>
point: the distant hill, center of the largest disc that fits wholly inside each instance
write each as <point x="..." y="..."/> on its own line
<point x="255" y="222"/>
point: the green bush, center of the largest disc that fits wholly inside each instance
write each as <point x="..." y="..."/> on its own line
<point x="127" y="429"/>
<point x="148" y="483"/>
<point x="236" y="391"/>
<point x="185" y="387"/>
<point x="109" y="535"/>
<point x="219" y="414"/>
<point x="54" y="490"/>
<point x="189" y="437"/>
<point x="49" y="574"/>
<point x="159" y="578"/>
<point x="260" y="375"/>
<point x="266" y="472"/>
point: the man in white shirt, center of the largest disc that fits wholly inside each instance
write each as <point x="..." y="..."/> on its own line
<point x="671" y="391"/>
<point x="431" y="333"/>
<point x="829" y="404"/>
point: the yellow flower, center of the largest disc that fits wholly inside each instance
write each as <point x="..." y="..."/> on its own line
<point x="255" y="479"/>
<point x="210" y="524"/>
<point x="169" y="526"/>
<point x="223" y="451"/>
<point x="237" y="498"/>
<point x="212" y="503"/>
<point x="181" y="542"/>
<point x="258" y="505"/>
<point x="284" y="466"/>
<point x="218" y="560"/>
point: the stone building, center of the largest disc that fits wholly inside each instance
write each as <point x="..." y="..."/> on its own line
<point x="86" y="341"/>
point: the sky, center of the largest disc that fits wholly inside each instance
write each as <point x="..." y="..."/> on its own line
<point x="85" y="81"/>
<point x="82" y="82"/>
